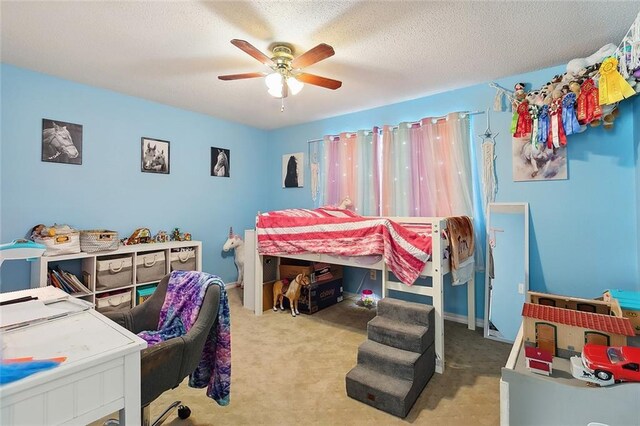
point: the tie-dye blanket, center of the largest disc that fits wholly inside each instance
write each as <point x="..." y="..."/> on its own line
<point x="185" y="293"/>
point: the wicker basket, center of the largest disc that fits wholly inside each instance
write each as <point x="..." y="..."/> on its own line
<point x="68" y="243"/>
<point x="98" y="240"/>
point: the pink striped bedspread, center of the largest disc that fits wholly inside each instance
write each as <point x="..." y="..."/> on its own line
<point x="343" y="233"/>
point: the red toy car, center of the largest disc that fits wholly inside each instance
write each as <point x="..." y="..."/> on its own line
<point x="621" y="364"/>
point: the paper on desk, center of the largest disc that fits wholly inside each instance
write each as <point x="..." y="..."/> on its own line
<point x="26" y="312"/>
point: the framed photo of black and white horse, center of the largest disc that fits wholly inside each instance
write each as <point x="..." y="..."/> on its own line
<point x="61" y="142"/>
<point x="154" y="156"/>
<point x="220" y="162"/>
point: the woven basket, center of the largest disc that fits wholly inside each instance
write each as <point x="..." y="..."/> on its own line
<point x="98" y="240"/>
<point x="68" y="243"/>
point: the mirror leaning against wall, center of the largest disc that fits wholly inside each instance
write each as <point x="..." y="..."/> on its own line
<point x="507" y="269"/>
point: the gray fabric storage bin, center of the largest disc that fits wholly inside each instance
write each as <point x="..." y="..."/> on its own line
<point x="150" y="267"/>
<point x="183" y="260"/>
<point x="114" y="272"/>
<point x="114" y="303"/>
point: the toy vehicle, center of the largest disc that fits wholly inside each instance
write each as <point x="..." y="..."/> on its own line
<point x="606" y="365"/>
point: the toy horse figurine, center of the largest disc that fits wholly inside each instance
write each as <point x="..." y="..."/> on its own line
<point x="235" y="242"/>
<point x="291" y="292"/>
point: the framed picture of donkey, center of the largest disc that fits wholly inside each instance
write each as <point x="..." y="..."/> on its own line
<point x="61" y="142"/>
<point x="155" y="156"/>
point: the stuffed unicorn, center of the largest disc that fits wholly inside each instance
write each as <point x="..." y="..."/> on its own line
<point x="235" y="242"/>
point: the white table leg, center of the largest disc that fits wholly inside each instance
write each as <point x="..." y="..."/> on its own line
<point x="130" y="415"/>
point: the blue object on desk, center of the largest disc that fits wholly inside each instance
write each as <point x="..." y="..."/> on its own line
<point x="13" y="371"/>
<point x="21" y="249"/>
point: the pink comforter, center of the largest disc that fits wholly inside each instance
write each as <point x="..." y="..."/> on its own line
<point x="341" y="232"/>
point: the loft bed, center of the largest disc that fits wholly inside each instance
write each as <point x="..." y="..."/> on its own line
<point x="437" y="266"/>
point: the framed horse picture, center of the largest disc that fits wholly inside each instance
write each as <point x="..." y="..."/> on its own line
<point x="154" y="156"/>
<point x="220" y="161"/>
<point x="293" y="170"/>
<point x="61" y="142"/>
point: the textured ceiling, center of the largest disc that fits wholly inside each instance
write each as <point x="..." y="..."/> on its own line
<point x="386" y="52"/>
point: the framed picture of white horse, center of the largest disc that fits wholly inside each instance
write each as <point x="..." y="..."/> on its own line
<point x="61" y="142"/>
<point x="220" y="161"/>
<point x="154" y="156"/>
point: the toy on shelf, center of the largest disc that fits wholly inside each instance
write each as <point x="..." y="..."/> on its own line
<point x="290" y="290"/>
<point x="139" y="236"/>
<point x="161" y="237"/>
<point x="176" y="235"/>
<point x="606" y="365"/>
<point x="234" y="242"/>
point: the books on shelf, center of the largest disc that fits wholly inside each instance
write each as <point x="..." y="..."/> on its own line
<point x="67" y="282"/>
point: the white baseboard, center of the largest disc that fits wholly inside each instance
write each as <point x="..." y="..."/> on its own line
<point x="462" y="319"/>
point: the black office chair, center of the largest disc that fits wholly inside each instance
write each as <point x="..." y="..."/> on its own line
<point x="165" y="365"/>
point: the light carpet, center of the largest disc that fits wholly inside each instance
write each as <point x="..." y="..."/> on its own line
<point x="290" y="371"/>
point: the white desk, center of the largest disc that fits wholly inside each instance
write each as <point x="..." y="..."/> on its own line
<point x="101" y="374"/>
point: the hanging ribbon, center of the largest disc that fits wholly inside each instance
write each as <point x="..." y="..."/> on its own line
<point x="514" y="121"/>
<point x="569" y="119"/>
<point x="543" y="124"/>
<point x="613" y="87"/>
<point x="523" y="127"/>
<point x="588" y="108"/>
<point x="556" y="131"/>
<point x="533" y="113"/>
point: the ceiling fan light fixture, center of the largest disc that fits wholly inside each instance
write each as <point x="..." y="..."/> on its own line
<point x="274" y="81"/>
<point x="295" y="86"/>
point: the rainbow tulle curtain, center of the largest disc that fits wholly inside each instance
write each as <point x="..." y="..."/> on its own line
<point x="350" y="169"/>
<point x="426" y="168"/>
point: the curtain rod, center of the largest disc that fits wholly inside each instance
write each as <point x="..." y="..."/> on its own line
<point x="434" y="119"/>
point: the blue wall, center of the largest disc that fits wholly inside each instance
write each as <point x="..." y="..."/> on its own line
<point x="584" y="230"/>
<point x="108" y="190"/>
<point x="636" y="129"/>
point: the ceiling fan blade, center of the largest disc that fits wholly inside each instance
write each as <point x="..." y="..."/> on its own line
<point x="316" y="80"/>
<point x="251" y="50"/>
<point x="241" y="76"/>
<point x="310" y="57"/>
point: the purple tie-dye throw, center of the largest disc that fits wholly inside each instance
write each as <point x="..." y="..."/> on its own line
<point x="185" y="293"/>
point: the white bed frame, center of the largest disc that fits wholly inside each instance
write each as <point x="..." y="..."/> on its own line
<point x="436" y="268"/>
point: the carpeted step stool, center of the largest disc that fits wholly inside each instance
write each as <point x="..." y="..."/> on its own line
<point x="397" y="360"/>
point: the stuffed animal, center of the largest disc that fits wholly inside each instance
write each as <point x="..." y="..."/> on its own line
<point x="575" y="65"/>
<point x="235" y="243"/>
<point x="345" y="203"/>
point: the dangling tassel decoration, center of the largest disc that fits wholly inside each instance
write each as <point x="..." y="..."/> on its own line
<point x="489" y="179"/>
<point x="613" y="87"/>
<point x="543" y="124"/>
<point x="556" y="131"/>
<point x="569" y="119"/>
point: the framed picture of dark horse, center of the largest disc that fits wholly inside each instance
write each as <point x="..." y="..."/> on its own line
<point x="220" y="162"/>
<point x="154" y="156"/>
<point x="61" y="142"/>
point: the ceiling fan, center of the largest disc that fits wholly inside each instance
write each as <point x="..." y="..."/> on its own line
<point x="286" y="76"/>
